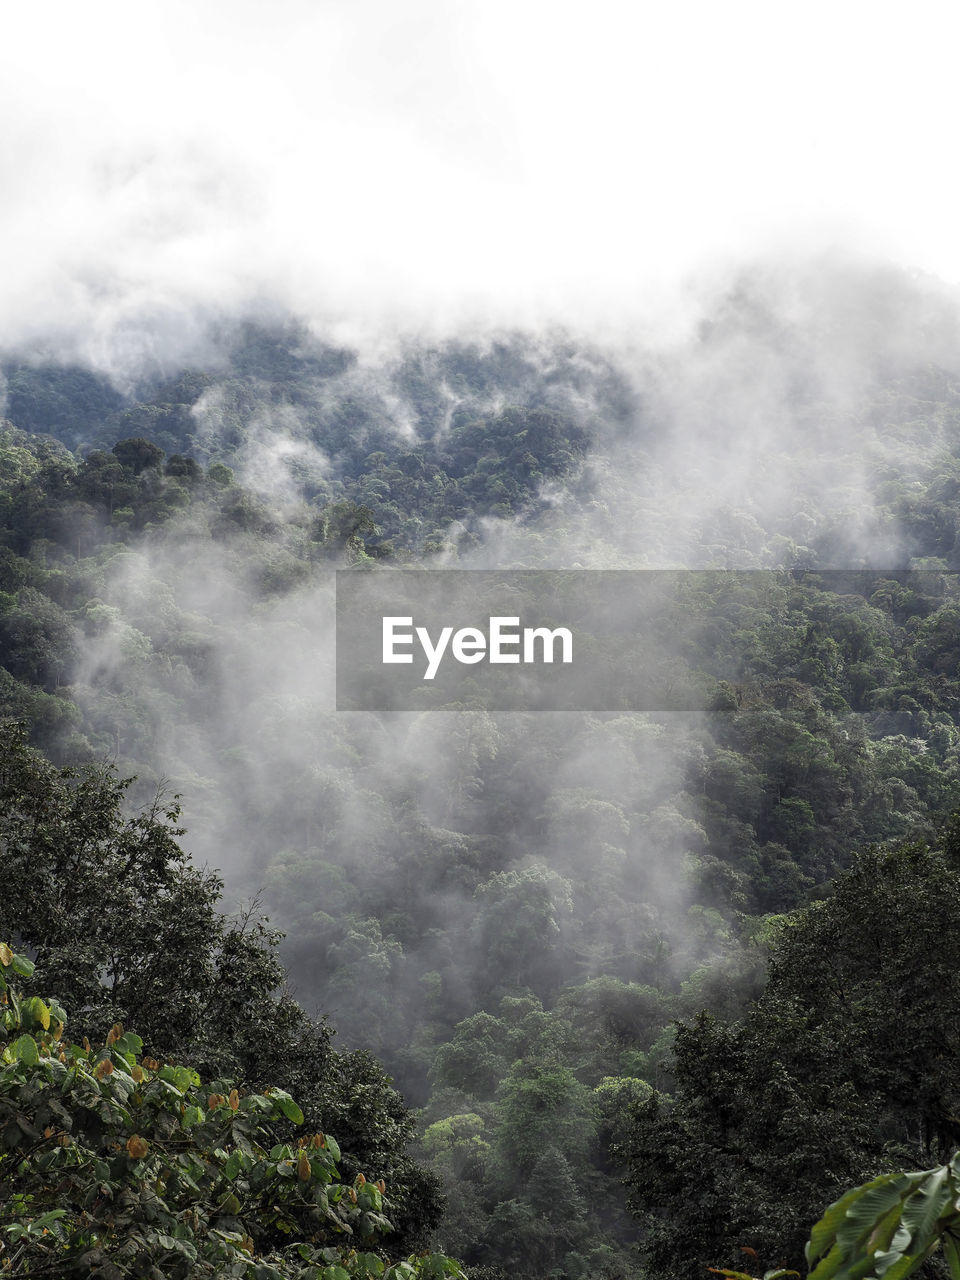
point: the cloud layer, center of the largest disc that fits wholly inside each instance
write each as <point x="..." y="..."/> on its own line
<point x="370" y="163"/>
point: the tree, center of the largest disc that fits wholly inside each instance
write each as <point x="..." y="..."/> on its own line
<point x="38" y="641"/>
<point x="538" y="1107"/>
<point x="476" y="1057"/>
<point x="185" y="467"/>
<point x="127" y="930"/>
<point x="846" y="1066"/>
<point x="121" y="923"/>
<point x="115" y="1165"/>
<point x="518" y="926"/>
<point x="751" y="1146"/>
<point x="459" y="1149"/>
<point x="138" y="454"/>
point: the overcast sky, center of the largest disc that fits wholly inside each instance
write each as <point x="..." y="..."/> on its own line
<point x="427" y="159"/>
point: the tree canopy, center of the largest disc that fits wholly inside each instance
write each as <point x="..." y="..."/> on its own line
<point x="115" y="1165"/>
<point x="127" y="931"/>
<point x="845" y="1067"/>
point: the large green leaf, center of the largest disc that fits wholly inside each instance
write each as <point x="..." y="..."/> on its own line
<point x="889" y="1234"/>
<point x="128" y="1044"/>
<point x="924" y="1206"/>
<point x="865" y="1211"/>
<point x="904" y="1266"/>
<point x="887" y="1228"/>
<point x="951" y="1251"/>
<point x="25" y="1050"/>
<point x="824" y="1233"/>
<point x="36" y="1010"/>
<point x="287" y="1105"/>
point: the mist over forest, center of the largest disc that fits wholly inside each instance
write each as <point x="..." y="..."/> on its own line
<point x="583" y="947"/>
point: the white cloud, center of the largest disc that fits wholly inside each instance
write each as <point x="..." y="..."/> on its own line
<point x="425" y="161"/>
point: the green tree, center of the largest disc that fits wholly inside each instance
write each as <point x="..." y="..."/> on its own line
<point x="519" y="925"/>
<point x="138" y="453"/>
<point x="539" y="1106"/>
<point x="477" y="1056"/>
<point x="115" y="1165"/>
<point x="128" y="931"/>
<point x="846" y="1066"/>
<point x="38" y="641"/>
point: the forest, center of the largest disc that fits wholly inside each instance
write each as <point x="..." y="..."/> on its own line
<point x="558" y="994"/>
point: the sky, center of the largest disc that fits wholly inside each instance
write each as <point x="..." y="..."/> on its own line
<point x="421" y="163"/>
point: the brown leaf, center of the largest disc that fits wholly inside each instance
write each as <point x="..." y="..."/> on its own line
<point x="104" y="1068"/>
<point x="137" y="1147"/>
<point x="234" y="1100"/>
<point x="114" y="1034"/>
<point x="6" y="955"/>
<point x="303" y="1167"/>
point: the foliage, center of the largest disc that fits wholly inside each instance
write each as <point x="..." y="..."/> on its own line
<point x="847" y="1064"/>
<point x="537" y="898"/>
<point x="114" y="1165"/>
<point x="539" y="1107"/>
<point x="83" y="882"/>
<point x="126" y="930"/>
<point x="889" y="1227"/>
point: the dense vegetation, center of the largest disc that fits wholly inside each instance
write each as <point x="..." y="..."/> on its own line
<point x="115" y="1164"/>
<point x="125" y="930"/>
<point x="847" y="1064"/>
<point x="512" y="912"/>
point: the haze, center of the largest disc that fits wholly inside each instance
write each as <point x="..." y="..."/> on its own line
<point x="374" y="164"/>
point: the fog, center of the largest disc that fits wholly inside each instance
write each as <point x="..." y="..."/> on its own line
<point x="425" y="166"/>
<point x="713" y="237"/>
<point x="489" y="285"/>
<point x="752" y="440"/>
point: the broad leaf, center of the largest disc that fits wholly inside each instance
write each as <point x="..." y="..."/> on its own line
<point x="25" y="1050"/>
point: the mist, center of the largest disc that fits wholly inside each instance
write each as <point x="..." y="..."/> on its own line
<point x="376" y="169"/>
<point x="477" y="287"/>
<point x="760" y="440"/>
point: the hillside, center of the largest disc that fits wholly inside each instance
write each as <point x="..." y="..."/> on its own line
<point x="511" y="911"/>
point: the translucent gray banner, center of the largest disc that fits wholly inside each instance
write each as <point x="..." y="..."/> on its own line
<point x="591" y="640"/>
